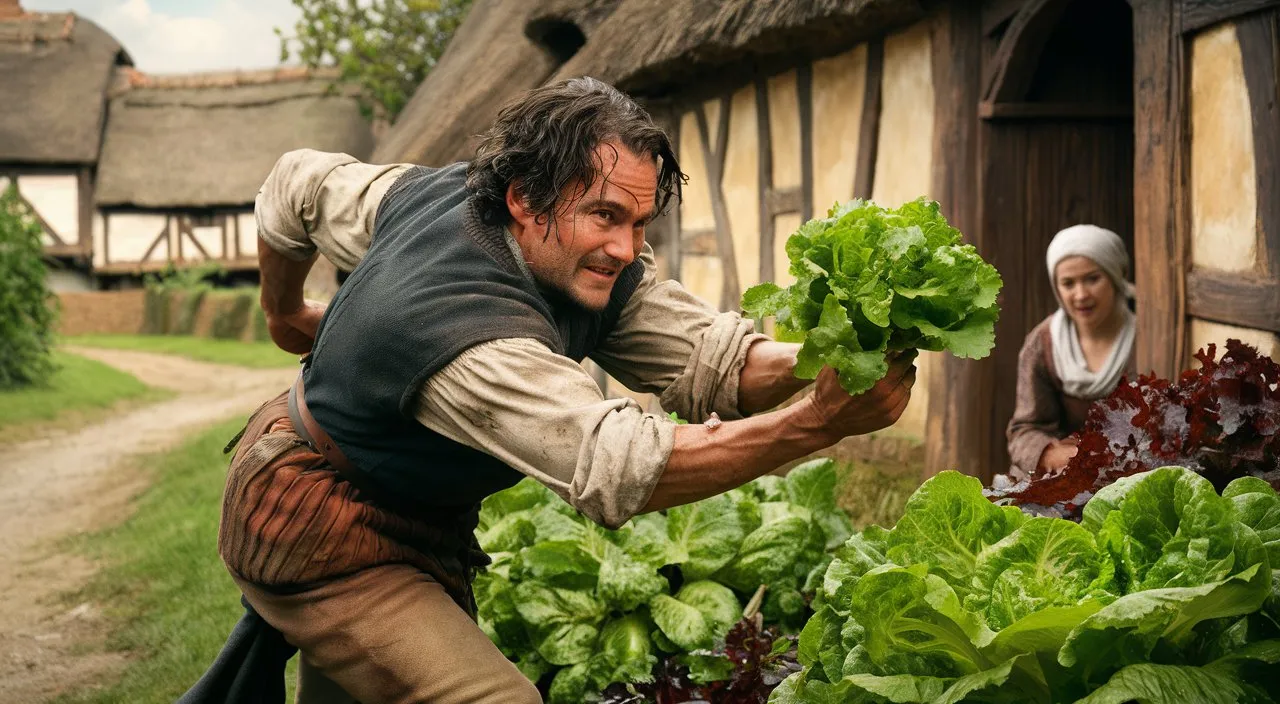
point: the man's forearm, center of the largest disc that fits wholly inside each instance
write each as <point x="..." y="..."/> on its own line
<point x="768" y="376"/>
<point x="706" y="461"/>
<point x="282" y="279"/>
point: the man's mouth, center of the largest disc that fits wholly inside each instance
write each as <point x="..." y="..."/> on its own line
<point x="603" y="272"/>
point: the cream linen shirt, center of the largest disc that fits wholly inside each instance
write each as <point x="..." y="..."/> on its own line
<point x="515" y="399"/>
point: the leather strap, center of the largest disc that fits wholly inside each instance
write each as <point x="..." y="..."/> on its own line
<point x="306" y="426"/>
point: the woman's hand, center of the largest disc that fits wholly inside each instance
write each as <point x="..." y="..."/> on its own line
<point x="1057" y="454"/>
<point x="296" y="332"/>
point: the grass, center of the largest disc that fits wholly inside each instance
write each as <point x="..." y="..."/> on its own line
<point x="257" y="355"/>
<point x="80" y="391"/>
<point x="167" y="598"/>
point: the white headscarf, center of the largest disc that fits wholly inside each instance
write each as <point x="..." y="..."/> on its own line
<point x="1106" y="249"/>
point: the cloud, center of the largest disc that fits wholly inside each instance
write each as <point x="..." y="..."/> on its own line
<point x="211" y="35"/>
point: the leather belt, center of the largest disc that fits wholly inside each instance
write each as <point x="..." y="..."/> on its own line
<point x="308" y="429"/>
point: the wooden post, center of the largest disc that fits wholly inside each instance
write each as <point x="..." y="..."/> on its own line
<point x="715" y="158"/>
<point x="1159" y="240"/>
<point x="804" y="96"/>
<point x="869" y="130"/>
<point x="764" y="179"/>
<point x="958" y="430"/>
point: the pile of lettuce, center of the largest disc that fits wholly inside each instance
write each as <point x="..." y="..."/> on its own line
<point x="578" y="607"/>
<point x="871" y="280"/>
<point x="1165" y="592"/>
<point x="1221" y="419"/>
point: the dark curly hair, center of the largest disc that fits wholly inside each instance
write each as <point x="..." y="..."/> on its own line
<point x="546" y="140"/>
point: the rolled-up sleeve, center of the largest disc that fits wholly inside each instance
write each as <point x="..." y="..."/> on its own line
<point x="671" y="343"/>
<point x="543" y="415"/>
<point x="322" y="201"/>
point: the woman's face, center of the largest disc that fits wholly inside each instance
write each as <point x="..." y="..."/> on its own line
<point x="1086" y="291"/>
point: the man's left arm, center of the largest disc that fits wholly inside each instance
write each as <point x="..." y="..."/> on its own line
<point x="698" y="360"/>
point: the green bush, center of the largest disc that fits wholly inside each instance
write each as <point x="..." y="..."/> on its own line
<point x="188" y="310"/>
<point x="27" y="307"/>
<point x="189" y="284"/>
<point x="232" y="315"/>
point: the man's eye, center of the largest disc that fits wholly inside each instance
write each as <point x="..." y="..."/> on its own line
<point x="604" y="215"/>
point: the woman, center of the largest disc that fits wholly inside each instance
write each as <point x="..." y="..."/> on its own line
<point x="1076" y="355"/>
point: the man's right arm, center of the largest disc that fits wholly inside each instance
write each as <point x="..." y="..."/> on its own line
<point x="313" y="202"/>
<point x="708" y="459"/>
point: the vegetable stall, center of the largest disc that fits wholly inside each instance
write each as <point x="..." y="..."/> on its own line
<point x="1148" y="570"/>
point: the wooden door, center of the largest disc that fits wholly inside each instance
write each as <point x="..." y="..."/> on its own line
<point x="1055" y="145"/>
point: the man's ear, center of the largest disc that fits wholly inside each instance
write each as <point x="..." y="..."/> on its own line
<point x="517" y="206"/>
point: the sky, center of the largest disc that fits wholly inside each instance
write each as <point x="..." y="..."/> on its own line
<point x="184" y="36"/>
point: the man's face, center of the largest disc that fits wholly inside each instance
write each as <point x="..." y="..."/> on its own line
<point x="596" y="233"/>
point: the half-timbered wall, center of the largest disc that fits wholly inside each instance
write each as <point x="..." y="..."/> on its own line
<point x="127" y="241"/>
<point x="1234" y="284"/>
<point x="764" y="157"/>
<point x="59" y="198"/>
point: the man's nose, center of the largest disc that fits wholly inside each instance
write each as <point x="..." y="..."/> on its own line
<point x="620" y="246"/>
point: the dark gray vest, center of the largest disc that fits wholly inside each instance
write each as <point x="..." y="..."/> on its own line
<point x="435" y="282"/>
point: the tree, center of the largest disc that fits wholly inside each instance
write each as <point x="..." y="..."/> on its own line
<point x="27" y="310"/>
<point x="387" y="47"/>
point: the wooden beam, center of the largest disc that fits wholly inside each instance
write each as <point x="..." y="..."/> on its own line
<point x="1054" y="111"/>
<point x="142" y="267"/>
<point x="164" y="235"/>
<point x="667" y="226"/>
<point x="239" y="254"/>
<point x="222" y="220"/>
<point x="1259" y="43"/>
<point x="44" y="224"/>
<point x="1234" y="299"/>
<point x="764" y="179"/>
<point x="864" y="177"/>
<point x="804" y="95"/>
<point x="785" y="200"/>
<point x="1015" y="62"/>
<point x="84" y="200"/>
<point x="1198" y="14"/>
<point x="106" y="238"/>
<point x="958" y="428"/>
<point x="1159" y="237"/>
<point x="699" y="243"/>
<point x="186" y="228"/>
<point x="996" y="12"/>
<point x="729" y="289"/>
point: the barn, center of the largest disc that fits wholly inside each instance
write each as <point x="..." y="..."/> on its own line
<point x="55" y="70"/>
<point x="184" y="155"/>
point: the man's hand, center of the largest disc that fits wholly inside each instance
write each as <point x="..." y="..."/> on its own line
<point x="842" y="415"/>
<point x="296" y="332"/>
<point x="1055" y="457"/>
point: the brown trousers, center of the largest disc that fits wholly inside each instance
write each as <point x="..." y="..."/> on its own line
<point x="378" y="604"/>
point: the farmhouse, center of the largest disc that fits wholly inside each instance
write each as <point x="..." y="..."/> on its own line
<point x="184" y="156"/>
<point x="129" y="172"/>
<point x="1155" y="118"/>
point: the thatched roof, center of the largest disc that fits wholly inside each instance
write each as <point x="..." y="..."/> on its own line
<point x="54" y="74"/>
<point x="650" y="48"/>
<point x="657" y="48"/>
<point x="488" y="60"/>
<point x="210" y="140"/>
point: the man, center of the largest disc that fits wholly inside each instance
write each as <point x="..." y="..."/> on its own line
<point x="446" y="368"/>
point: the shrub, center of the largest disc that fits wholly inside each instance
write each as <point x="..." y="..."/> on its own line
<point x="27" y="307"/>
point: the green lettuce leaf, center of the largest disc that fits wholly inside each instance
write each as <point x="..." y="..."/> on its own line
<point x="1167" y="684"/>
<point x="565" y="621"/>
<point x="1046" y="562"/>
<point x="947" y="523"/>
<point x="705" y="535"/>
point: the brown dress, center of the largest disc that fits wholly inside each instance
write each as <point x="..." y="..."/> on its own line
<point x="1043" y="412"/>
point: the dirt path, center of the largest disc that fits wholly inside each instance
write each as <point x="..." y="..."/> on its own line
<point x="74" y="481"/>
